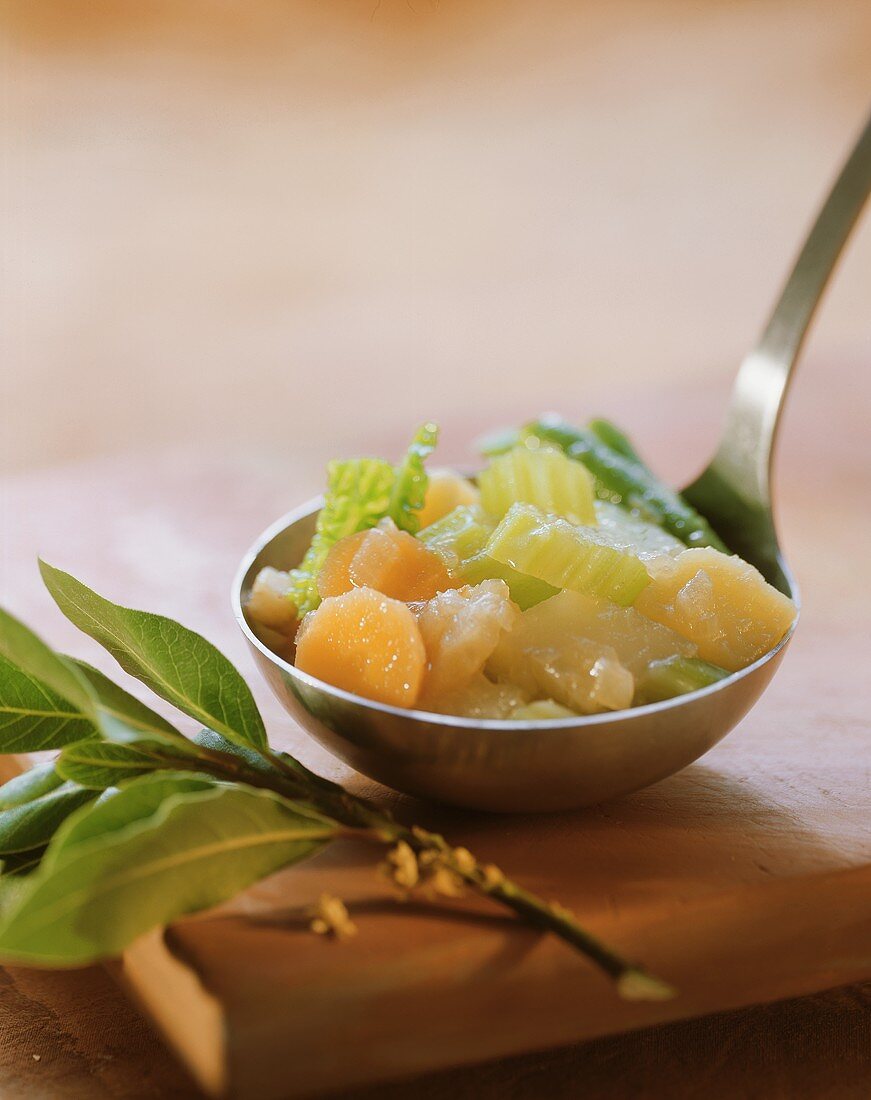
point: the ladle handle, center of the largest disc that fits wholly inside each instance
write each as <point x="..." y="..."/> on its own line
<point x="743" y="458"/>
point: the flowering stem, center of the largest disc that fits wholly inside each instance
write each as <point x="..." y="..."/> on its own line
<point x="368" y="821"/>
<point x="633" y="982"/>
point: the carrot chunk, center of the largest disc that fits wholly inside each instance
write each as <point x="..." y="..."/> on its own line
<point x="366" y="643"/>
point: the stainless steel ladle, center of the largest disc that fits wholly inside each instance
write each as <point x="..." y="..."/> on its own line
<point x="554" y="765"/>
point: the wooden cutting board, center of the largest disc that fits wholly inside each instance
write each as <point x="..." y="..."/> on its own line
<point x="746" y="878"/>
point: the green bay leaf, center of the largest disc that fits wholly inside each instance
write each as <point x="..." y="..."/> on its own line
<point x="21" y="863"/>
<point x="21" y="647"/>
<point x="101" y="764"/>
<point x="29" y="785"/>
<point x="122" y="716"/>
<point x="33" y="716"/>
<point x="119" y="809"/>
<point x="197" y="849"/>
<point x="32" y="824"/>
<point x="177" y="664"/>
<point x="292" y="771"/>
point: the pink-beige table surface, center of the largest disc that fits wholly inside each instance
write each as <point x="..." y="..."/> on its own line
<point x="239" y="240"/>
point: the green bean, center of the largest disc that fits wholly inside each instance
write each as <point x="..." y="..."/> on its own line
<point x="628" y="482"/>
<point x="612" y="437"/>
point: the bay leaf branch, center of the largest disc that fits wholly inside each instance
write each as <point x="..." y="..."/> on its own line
<point x="177" y="664"/>
<point x="197" y="849"/>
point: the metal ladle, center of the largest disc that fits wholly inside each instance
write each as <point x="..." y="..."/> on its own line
<point x="573" y="762"/>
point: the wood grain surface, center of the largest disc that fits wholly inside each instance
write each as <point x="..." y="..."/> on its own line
<point x="745" y="878"/>
<point x="92" y="1045"/>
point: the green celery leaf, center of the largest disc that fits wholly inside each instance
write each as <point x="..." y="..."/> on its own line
<point x="122" y="716"/>
<point x="34" y="717"/>
<point x="28" y="785"/>
<point x="177" y="664"/>
<point x="411" y="480"/>
<point x="20" y="646"/>
<point x="197" y="849"/>
<point x="357" y="497"/>
<point x="101" y="764"/>
<point x="32" y="824"/>
<point x="360" y="493"/>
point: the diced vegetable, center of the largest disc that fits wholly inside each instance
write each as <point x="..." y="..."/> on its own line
<point x="676" y="676"/>
<point x="612" y="437"/>
<point x="627" y="481"/>
<point x="645" y="539"/>
<point x="446" y="491"/>
<point x="386" y="559"/>
<point x="365" y="643"/>
<point x="479" y="698"/>
<point x="543" y="477"/>
<point x="360" y="493"/>
<point x="460" y="538"/>
<point x="526" y="591"/>
<point x="460" y="629"/>
<point x="636" y="640"/>
<point x="459" y="535"/>
<point x="542" y="710"/>
<point x="720" y="603"/>
<point x="583" y="559"/>
<point x="269" y="602"/>
<point x="583" y="675"/>
<point x="408" y="494"/>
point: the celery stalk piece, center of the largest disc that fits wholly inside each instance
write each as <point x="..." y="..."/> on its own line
<point x="676" y="676"/>
<point x="460" y="537"/>
<point x="565" y="555"/>
<point x="628" y="482"/>
<point x="526" y="591"/>
<point x="544" y="477"/>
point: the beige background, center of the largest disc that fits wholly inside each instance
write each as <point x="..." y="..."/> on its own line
<point x="302" y="226"/>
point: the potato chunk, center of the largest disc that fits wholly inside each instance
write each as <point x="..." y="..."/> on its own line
<point x="720" y="603"/>
<point x="460" y="629"/>
<point x="268" y="602"/>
